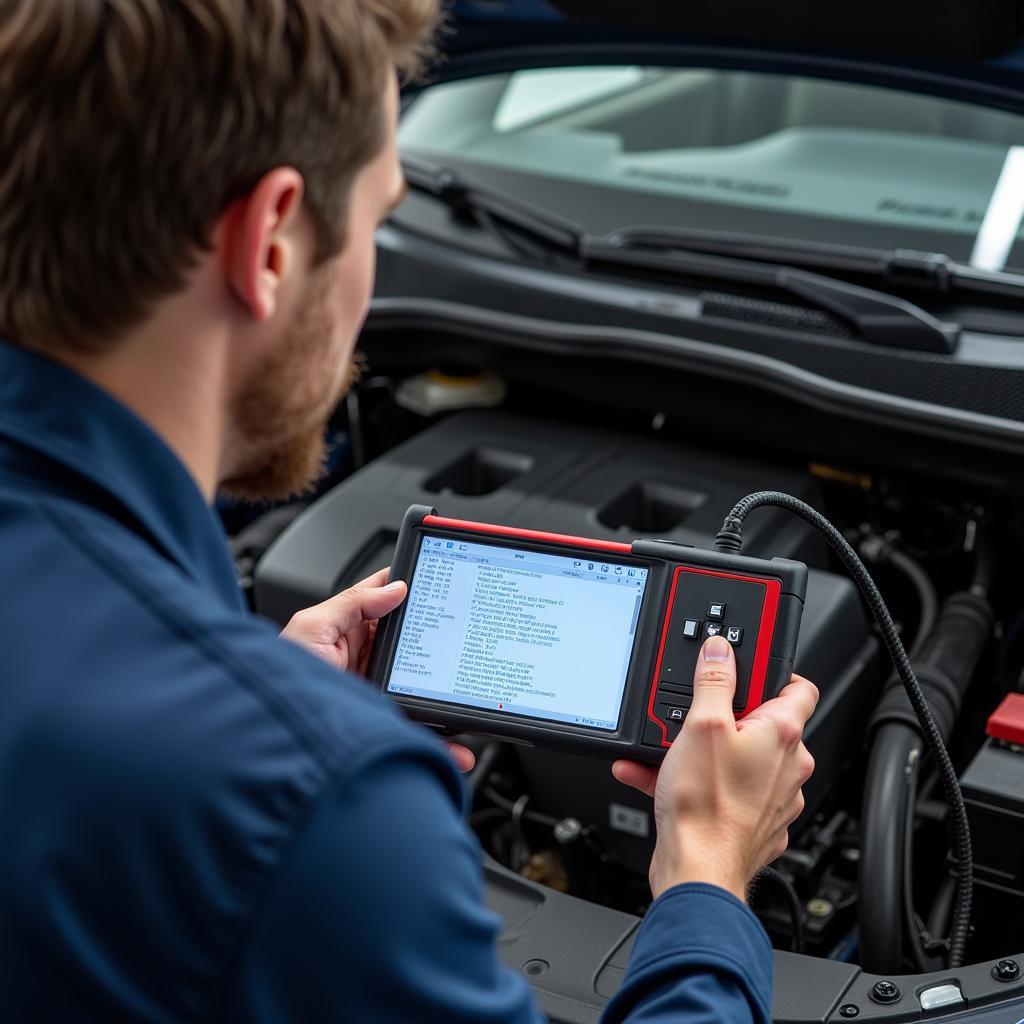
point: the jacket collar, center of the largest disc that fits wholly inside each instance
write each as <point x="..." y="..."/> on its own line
<point x="63" y="429"/>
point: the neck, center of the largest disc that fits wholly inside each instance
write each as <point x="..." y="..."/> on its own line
<point x="175" y="379"/>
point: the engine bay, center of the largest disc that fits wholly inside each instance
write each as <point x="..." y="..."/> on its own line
<point x="615" y="450"/>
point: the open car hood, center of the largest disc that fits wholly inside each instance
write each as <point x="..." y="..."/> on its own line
<point x="974" y="51"/>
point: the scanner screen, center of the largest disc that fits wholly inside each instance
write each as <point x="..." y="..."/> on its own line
<point x="521" y="632"/>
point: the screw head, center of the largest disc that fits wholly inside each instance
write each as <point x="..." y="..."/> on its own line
<point x="536" y="967"/>
<point x="819" y="907"/>
<point x="1006" y="970"/>
<point x="849" y="1010"/>
<point x="885" y="992"/>
<point x="567" y="830"/>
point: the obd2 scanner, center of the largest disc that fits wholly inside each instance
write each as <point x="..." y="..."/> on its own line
<point x="587" y="646"/>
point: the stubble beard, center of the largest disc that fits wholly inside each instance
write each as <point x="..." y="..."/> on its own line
<point x="280" y="418"/>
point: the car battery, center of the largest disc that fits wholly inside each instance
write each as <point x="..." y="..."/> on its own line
<point x="993" y="788"/>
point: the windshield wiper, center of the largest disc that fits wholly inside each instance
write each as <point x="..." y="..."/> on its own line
<point x="932" y="271"/>
<point x="502" y="215"/>
<point x="532" y="232"/>
<point x="877" y="316"/>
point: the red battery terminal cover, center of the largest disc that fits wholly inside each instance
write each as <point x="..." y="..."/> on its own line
<point x="1006" y="723"/>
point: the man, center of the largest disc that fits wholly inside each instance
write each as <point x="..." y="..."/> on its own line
<point x="201" y="821"/>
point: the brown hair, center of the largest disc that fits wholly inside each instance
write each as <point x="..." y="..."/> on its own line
<point x="128" y="126"/>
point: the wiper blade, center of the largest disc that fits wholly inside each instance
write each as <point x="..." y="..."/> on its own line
<point x="493" y="210"/>
<point x="877" y="316"/>
<point x="932" y="271"/>
<point x="533" y="232"/>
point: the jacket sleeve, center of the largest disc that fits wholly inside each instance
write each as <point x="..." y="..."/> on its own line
<point x="700" y="957"/>
<point x="377" y="915"/>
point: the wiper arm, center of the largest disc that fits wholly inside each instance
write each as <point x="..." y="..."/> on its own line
<point x="877" y="317"/>
<point x="932" y="271"/>
<point x="534" y="232"/>
<point x="492" y="210"/>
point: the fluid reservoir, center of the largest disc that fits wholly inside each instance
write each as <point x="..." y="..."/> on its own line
<point x="446" y="389"/>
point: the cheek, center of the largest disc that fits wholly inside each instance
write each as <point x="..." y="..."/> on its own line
<point x="358" y="265"/>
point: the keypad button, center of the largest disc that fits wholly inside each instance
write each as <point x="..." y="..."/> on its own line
<point x="716" y="611"/>
<point x="674" y="686"/>
<point x="690" y="628"/>
<point x="734" y="634"/>
<point x="713" y="629"/>
<point x="675" y="714"/>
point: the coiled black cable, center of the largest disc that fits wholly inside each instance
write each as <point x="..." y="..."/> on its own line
<point x="730" y="539"/>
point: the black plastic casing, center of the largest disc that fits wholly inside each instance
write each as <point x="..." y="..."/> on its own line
<point x="643" y="731"/>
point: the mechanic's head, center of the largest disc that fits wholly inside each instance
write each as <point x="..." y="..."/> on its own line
<point x="207" y="174"/>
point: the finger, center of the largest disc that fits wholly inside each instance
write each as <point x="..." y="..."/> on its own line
<point x="805" y="764"/>
<point x="794" y="678"/>
<point x="802" y="690"/>
<point x="789" y="711"/>
<point x="356" y="641"/>
<point x="361" y="603"/>
<point x="779" y="845"/>
<point x="377" y="579"/>
<point x="362" y="660"/>
<point x="639" y="776"/>
<point x="714" y="680"/>
<point x="795" y="808"/>
<point x="465" y="759"/>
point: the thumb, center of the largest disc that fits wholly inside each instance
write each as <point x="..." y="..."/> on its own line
<point x="714" y="680"/>
<point x="375" y="602"/>
<point x="361" y="603"/>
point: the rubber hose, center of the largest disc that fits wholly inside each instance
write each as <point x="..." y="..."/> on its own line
<point x="944" y="667"/>
<point x="926" y="596"/>
<point x="876" y="550"/>
<point x="938" y="919"/>
<point x="984" y="568"/>
<point x="883" y="821"/>
<point x="486" y="760"/>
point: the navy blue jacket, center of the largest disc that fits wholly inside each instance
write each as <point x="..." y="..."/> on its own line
<point x="201" y="822"/>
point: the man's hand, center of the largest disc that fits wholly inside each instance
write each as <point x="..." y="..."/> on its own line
<point x="727" y="791"/>
<point x="341" y="630"/>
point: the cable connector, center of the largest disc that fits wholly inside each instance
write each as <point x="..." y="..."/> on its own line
<point x="730" y="537"/>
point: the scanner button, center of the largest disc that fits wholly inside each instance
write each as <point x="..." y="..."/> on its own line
<point x="716" y="611"/>
<point x="713" y="628"/>
<point x="734" y="634"/>
<point x="690" y="627"/>
<point x="675" y="714"/>
<point x="676" y="686"/>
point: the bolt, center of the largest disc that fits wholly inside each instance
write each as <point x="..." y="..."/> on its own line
<point x="1006" y="970"/>
<point x="567" y="830"/>
<point x="885" y="992"/>
<point x="819" y="907"/>
<point x="536" y="967"/>
<point x="849" y="1010"/>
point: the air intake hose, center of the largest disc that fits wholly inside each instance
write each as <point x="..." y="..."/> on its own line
<point x="944" y="667"/>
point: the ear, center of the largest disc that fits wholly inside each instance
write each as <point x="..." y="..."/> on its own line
<point x="261" y="241"/>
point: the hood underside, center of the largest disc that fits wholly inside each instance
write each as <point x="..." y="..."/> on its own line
<point x="976" y="45"/>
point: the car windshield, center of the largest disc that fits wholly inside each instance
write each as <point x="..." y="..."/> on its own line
<point x="781" y="157"/>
